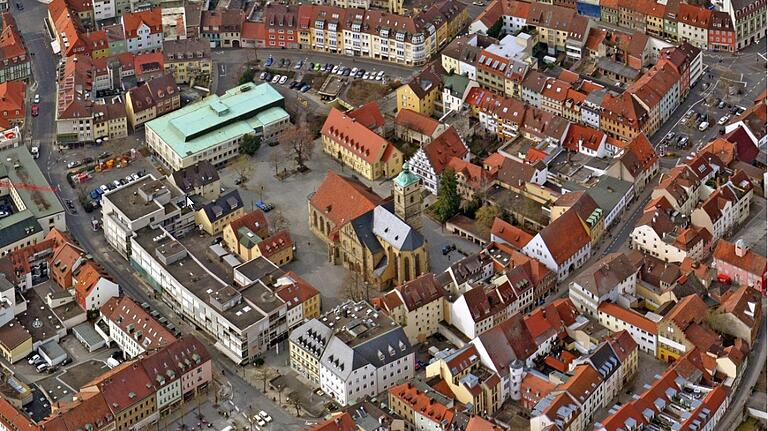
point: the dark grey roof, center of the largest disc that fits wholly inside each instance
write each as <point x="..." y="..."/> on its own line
<point x="608" y="192"/>
<point x="197" y="175"/>
<point x="363" y="227"/>
<point x="391" y="346"/>
<point x="22" y="228"/>
<point x="604" y="360"/>
<point x="223" y="206"/>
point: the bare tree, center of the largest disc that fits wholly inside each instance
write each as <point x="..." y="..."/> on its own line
<point x="275" y="158"/>
<point x="262" y="374"/>
<point x="297" y="142"/>
<point x="279" y="222"/>
<point x="354" y="287"/>
<point x="294" y="401"/>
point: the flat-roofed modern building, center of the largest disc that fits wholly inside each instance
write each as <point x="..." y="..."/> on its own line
<point x="30" y="208"/>
<point x="213" y="128"/>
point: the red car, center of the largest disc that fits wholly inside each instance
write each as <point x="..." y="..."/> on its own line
<point x="35" y="110"/>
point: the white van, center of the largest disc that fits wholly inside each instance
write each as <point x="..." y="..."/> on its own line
<point x="703" y="126"/>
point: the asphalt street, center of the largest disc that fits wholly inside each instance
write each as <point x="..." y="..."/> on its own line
<point x="30" y="22"/>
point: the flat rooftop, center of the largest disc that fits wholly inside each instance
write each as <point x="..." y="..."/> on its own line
<point x="528" y="208"/>
<point x="357" y="322"/>
<point x="18" y="167"/>
<point x="39" y="319"/>
<point x="215" y="119"/>
<point x="258" y="268"/>
<point x="130" y="203"/>
<point x="197" y="280"/>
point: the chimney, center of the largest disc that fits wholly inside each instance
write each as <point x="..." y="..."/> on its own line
<point x="740" y="248"/>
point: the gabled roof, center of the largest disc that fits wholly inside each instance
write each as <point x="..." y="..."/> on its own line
<point x="368" y="115"/>
<point x="506" y="342"/>
<point x="569" y="226"/>
<point x="512" y="235"/>
<point x="275" y="244"/>
<point x="689" y="309"/>
<point x="744" y="304"/>
<point x="421" y="291"/>
<point x="132" y="21"/>
<point x="198" y="175"/>
<point x="606" y="274"/>
<point x="639" y="155"/>
<point x="341" y="422"/>
<point x="629" y="316"/>
<point x="750" y="262"/>
<point x="746" y="150"/>
<point x="355" y="137"/>
<point x="420" y="123"/>
<point x="443" y="148"/>
<point x="342" y="199"/>
<point x="132" y="319"/>
<point x="154" y="92"/>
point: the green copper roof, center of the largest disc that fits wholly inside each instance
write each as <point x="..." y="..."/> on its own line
<point x="215" y="119"/>
<point x="405" y="178"/>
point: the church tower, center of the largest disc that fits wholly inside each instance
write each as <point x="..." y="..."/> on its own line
<point x="408" y="200"/>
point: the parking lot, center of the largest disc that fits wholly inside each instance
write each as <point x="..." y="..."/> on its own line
<point x="703" y="121"/>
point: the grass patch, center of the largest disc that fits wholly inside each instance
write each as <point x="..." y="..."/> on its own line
<point x="360" y="92"/>
<point x="750" y="424"/>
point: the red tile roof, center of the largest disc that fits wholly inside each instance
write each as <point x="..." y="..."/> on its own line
<point x="152" y="18"/>
<point x="341" y="199"/>
<point x="126" y="313"/>
<point x="417" y="122"/>
<point x="639" y="155"/>
<point x="583" y="383"/>
<point x="695" y="16"/>
<point x="569" y="226"/>
<point x="12" y="94"/>
<point x="446" y="146"/>
<point x="255" y="221"/>
<point x="513" y="235"/>
<point x="355" y="137"/>
<point x="751" y="262"/>
<point x="420" y="402"/>
<point x="368" y="115"/>
<point x="12" y="418"/>
<point x="421" y="291"/>
<point x="631" y="317"/>
<point x="276" y="243"/>
<point x="294" y="290"/>
<point x="12" y="48"/>
<point x="85" y="279"/>
<point x="342" y="422"/>
<point x="90" y="409"/>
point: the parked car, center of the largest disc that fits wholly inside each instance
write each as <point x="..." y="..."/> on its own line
<point x="269" y="61"/>
<point x="380" y="75"/>
<point x="703" y="126"/>
<point x="669" y="136"/>
<point x="265" y="416"/>
<point x="283" y="79"/>
<point x="354" y="71"/>
<point x="262" y="75"/>
<point x="34" y="358"/>
<point x="360" y="73"/>
<point x="264" y="206"/>
<point x="317" y="67"/>
<point x="37" y="99"/>
<point x="276" y="79"/>
<point x="35" y="110"/>
<point x="305" y="88"/>
<point x="366" y="75"/>
<point x="448" y="248"/>
<point x="335" y="69"/>
<point x="73" y="164"/>
<point x="724" y="119"/>
<point x="721" y="105"/>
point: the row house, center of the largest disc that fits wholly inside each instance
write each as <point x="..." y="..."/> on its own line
<point x="552" y="24"/>
<point x="604" y="281"/>
<point x="632" y="15"/>
<point x="664" y="236"/>
<point x="131" y="327"/>
<point x="722" y="35"/>
<point x="642" y="328"/>
<point x="741" y="264"/>
<point x="143" y="31"/>
<point x="154" y="98"/>
<point x="749" y="20"/>
<point x="658" y="90"/>
<point x="681" y="188"/>
<point x="693" y="25"/>
<point x="222" y="27"/>
<point x="468" y="380"/>
<point x="623" y="117"/>
<point x="726" y="208"/>
<point x="422" y="407"/>
<point x="16" y="64"/>
<point x="683" y="328"/>
<point x="668" y="397"/>
<point x="418" y="306"/>
<point x="189" y="60"/>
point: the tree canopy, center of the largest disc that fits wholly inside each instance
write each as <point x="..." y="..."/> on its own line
<point x="448" y="200"/>
<point x="251" y="144"/>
